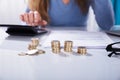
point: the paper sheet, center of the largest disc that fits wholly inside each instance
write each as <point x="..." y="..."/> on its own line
<point x="79" y="38"/>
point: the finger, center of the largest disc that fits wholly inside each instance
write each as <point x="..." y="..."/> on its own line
<point x="37" y="17"/>
<point x="26" y="18"/>
<point x="22" y="17"/>
<point x="31" y="17"/>
<point x="43" y="23"/>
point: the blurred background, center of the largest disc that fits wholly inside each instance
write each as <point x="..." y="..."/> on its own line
<point x="11" y="9"/>
<point x="116" y="7"/>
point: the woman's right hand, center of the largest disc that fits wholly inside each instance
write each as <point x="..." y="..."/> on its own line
<point x="33" y="18"/>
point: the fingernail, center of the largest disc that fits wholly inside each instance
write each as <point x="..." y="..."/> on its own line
<point x="31" y="12"/>
<point x="35" y="12"/>
<point x="44" y="22"/>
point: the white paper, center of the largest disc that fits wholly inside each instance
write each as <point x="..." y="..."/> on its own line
<point x="79" y="38"/>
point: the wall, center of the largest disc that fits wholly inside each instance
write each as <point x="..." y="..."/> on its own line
<point x="10" y="11"/>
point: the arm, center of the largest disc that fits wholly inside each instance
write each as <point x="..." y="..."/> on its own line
<point x="103" y="13"/>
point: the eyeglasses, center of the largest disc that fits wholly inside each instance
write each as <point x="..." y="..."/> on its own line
<point x="113" y="50"/>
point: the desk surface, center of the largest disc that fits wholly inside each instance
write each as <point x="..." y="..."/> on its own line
<point x="95" y="66"/>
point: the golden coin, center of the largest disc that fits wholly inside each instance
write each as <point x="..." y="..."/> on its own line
<point x="40" y="51"/>
<point x="35" y="41"/>
<point x="55" y="45"/>
<point x="68" y="45"/>
<point x="22" y="54"/>
<point x="82" y="50"/>
<point x="31" y="46"/>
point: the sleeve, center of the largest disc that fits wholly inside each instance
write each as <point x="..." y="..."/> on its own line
<point x="27" y="10"/>
<point x="104" y="13"/>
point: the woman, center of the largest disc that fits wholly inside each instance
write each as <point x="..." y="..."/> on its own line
<point x="68" y="13"/>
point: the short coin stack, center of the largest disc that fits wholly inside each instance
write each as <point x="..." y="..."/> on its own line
<point x="55" y="45"/>
<point x="82" y="50"/>
<point x="32" y="48"/>
<point x="68" y="45"/>
<point x="34" y="44"/>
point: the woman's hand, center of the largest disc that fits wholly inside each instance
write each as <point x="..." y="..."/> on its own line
<point x="33" y="18"/>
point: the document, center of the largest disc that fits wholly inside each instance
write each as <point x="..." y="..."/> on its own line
<point x="79" y="38"/>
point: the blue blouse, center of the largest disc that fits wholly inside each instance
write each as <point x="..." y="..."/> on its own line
<point x="71" y="15"/>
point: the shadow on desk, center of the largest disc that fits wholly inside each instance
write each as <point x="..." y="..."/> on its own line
<point x="14" y="43"/>
<point x="23" y="38"/>
<point x="116" y="56"/>
<point x="18" y="43"/>
<point x="19" y="38"/>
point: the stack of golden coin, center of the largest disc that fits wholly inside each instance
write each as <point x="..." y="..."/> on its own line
<point x="31" y="46"/>
<point x="55" y="45"/>
<point x="68" y="45"/>
<point x="34" y="44"/>
<point x="35" y="41"/>
<point x="82" y="50"/>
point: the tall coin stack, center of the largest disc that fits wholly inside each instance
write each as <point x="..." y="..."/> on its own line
<point x="35" y="41"/>
<point x="34" y="44"/>
<point x="68" y="45"/>
<point x="82" y="50"/>
<point x="55" y="45"/>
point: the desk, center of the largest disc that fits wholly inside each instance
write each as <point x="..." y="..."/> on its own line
<point x="95" y="66"/>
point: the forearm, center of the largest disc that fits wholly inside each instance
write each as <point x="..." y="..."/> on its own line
<point x="103" y="13"/>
